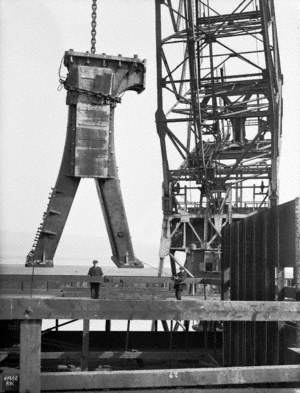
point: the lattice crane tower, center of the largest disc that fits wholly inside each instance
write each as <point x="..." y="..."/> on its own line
<point x="219" y="110"/>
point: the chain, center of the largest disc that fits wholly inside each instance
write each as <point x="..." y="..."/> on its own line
<point x="106" y="97"/>
<point x="93" y="24"/>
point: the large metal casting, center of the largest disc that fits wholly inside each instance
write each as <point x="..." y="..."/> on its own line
<point x="218" y="119"/>
<point x="94" y="84"/>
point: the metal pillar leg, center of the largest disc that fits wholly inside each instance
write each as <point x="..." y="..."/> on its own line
<point x="113" y="209"/>
<point x="59" y="205"/>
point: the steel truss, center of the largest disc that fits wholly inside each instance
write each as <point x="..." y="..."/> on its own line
<point x="219" y="110"/>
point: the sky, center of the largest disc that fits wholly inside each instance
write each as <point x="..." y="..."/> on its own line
<point x="33" y="119"/>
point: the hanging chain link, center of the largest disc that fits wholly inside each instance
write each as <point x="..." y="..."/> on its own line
<point x="107" y="98"/>
<point x="93" y="24"/>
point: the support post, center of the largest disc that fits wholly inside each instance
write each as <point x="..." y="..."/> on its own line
<point x="165" y="325"/>
<point x="85" y="345"/>
<point x="297" y="262"/>
<point x="107" y="325"/>
<point x="127" y="335"/>
<point x="171" y="336"/>
<point x="30" y="356"/>
<point x="154" y="326"/>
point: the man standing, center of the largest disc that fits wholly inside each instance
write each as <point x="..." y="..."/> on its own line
<point x="179" y="282"/>
<point x="95" y="271"/>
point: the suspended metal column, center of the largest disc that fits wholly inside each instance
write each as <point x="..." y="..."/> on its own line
<point x="94" y="84"/>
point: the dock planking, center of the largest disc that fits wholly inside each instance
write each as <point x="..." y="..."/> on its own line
<point x="14" y="307"/>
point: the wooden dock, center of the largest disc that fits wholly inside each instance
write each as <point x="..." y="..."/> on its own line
<point x="31" y="310"/>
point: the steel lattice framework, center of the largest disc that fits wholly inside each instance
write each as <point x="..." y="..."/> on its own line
<point x="219" y="110"/>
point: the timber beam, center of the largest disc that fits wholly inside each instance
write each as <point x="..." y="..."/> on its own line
<point x="30" y="356"/>
<point x="203" y="390"/>
<point x="158" y="355"/>
<point x="27" y="308"/>
<point x="169" y="378"/>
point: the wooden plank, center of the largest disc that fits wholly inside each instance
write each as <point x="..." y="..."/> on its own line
<point x="142" y="281"/>
<point x="30" y="356"/>
<point x="169" y="378"/>
<point x="144" y="355"/>
<point x="239" y="347"/>
<point x="157" y="355"/>
<point x="287" y="213"/>
<point x="272" y="328"/>
<point x="272" y="240"/>
<point x="233" y="289"/>
<point x="170" y="309"/>
<point x="243" y="296"/>
<point x="261" y="289"/>
<point x="204" y="390"/>
<point x="79" y="285"/>
<point x="85" y="345"/>
<point x="255" y="276"/>
<point x="250" y="277"/>
<point x="105" y="293"/>
<point x="225" y="260"/>
<point x="297" y="262"/>
<point x="226" y="264"/>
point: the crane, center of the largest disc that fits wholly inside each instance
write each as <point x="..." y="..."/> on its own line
<point x="218" y="118"/>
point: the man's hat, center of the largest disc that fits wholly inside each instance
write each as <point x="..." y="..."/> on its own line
<point x="95" y="261"/>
